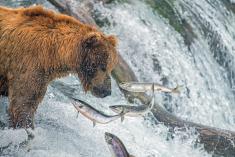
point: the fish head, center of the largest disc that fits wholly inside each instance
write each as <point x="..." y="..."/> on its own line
<point x="125" y="85"/>
<point x="117" y="109"/>
<point x="108" y="138"/>
<point x="78" y="106"/>
<point x="115" y="145"/>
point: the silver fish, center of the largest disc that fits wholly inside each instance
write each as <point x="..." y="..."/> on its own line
<point x="134" y="111"/>
<point x="93" y="114"/>
<point x="116" y="146"/>
<point x="144" y="87"/>
<point x="131" y="111"/>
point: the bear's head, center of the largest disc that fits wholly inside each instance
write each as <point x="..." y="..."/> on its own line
<point x="98" y="57"/>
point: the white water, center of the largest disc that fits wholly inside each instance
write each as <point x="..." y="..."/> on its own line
<point x="146" y="41"/>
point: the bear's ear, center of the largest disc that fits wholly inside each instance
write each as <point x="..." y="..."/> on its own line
<point x="113" y="40"/>
<point x="91" y="41"/>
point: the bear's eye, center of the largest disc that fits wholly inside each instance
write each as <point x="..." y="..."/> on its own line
<point x="91" y="72"/>
<point x="103" y="67"/>
<point x="93" y="65"/>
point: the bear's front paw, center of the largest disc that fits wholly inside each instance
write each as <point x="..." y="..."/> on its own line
<point x="23" y="120"/>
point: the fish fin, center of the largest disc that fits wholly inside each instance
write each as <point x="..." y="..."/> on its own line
<point x="122" y="115"/>
<point x="131" y="156"/>
<point x="152" y="89"/>
<point x="94" y="123"/>
<point x="122" y="118"/>
<point x="77" y="114"/>
<point x="153" y="97"/>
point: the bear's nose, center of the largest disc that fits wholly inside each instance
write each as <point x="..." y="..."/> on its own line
<point x="101" y="92"/>
<point x="105" y="93"/>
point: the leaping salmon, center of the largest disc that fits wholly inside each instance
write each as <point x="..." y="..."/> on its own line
<point x="144" y="87"/>
<point x="134" y="111"/>
<point x="93" y="114"/>
<point x="116" y="146"/>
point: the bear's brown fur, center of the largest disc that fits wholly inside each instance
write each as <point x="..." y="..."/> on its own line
<point x="37" y="46"/>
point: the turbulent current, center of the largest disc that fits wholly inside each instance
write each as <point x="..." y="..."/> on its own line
<point x="171" y="42"/>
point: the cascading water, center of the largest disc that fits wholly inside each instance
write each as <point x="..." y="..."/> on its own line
<point x="189" y="43"/>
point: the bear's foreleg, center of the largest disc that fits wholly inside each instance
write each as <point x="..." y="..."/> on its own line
<point x="25" y="94"/>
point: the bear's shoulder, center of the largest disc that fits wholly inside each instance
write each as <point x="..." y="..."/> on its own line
<point x="38" y="10"/>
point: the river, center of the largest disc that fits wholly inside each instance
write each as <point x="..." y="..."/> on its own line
<point x="172" y="42"/>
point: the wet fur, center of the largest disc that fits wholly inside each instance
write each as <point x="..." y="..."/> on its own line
<point x="38" y="46"/>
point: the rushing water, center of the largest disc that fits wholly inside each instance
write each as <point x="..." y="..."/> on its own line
<point x="201" y="59"/>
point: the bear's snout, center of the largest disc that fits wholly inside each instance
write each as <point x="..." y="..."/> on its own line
<point x="102" y="90"/>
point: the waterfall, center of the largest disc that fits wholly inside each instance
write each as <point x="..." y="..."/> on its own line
<point x="171" y="42"/>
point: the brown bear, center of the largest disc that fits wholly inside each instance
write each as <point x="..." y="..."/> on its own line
<point x="38" y="46"/>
